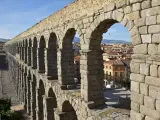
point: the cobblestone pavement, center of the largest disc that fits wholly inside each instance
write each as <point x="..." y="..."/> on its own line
<point x="6" y="87"/>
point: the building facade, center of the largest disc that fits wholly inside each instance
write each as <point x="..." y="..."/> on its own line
<point x="116" y="70"/>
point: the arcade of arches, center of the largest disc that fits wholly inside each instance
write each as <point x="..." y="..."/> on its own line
<point x="41" y="60"/>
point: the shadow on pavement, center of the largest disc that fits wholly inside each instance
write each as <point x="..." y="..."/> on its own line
<point x="118" y="98"/>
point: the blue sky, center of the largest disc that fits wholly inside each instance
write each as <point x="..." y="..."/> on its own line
<point x="117" y="32"/>
<point x="19" y="15"/>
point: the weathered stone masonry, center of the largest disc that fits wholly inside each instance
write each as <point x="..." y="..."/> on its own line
<point x="43" y="73"/>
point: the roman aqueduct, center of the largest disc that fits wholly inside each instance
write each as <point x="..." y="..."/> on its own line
<point x="41" y="60"/>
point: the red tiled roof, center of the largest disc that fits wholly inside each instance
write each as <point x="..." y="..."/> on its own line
<point x="117" y="62"/>
<point x="77" y="58"/>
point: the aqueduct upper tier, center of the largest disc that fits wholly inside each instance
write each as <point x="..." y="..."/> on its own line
<point x="41" y="60"/>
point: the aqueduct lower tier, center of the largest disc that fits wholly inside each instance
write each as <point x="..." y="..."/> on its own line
<point x="43" y="73"/>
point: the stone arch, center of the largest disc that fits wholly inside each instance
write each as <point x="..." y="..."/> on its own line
<point x="26" y="51"/>
<point x="11" y="49"/>
<point x="24" y="84"/>
<point x="16" y="47"/>
<point x="28" y="87"/>
<point x="71" y="27"/>
<point x="96" y="36"/>
<point x="107" y="20"/>
<point x="33" y="97"/>
<point x="20" y="49"/>
<point x="13" y="46"/>
<point x="18" y="81"/>
<point x="41" y="55"/>
<point x="51" y="70"/>
<point x="42" y="42"/>
<point x="23" y="50"/>
<point x="34" y="53"/>
<point x="67" y="59"/>
<point x="68" y="111"/>
<point x="51" y="104"/>
<point x="41" y="93"/>
<point x="52" y="94"/>
<point x="20" y="84"/>
<point x="29" y="51"/>
<point x="95" y="59"/>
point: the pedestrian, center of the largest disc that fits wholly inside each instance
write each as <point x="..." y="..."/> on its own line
<point x="76" y="81"/>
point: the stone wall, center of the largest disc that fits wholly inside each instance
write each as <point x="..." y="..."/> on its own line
<point x="90" y="19"/>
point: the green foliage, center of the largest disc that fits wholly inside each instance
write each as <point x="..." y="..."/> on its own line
<point x="5" y="104"/>
<point x="5" y="111"/>
<point x="10" y="115"/>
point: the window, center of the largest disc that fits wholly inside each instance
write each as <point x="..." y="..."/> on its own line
<point x="121" y="68"/>
<point x="106" y="66"/>
<point x="116" y="68"/>
<point x="116" y="74"/>
<point x="110" y="67"/>
<point x="121" y="74"/>
<point x="106" y="75"/>
<point x="110" y="76"/>
<point x="106" y="72"/>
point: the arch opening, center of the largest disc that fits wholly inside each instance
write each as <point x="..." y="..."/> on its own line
<point x="20" y="50"/>
<point x="23" y="50"/>
<point x="34" y="53"/>
<point x="52" y="71"/>
<point x="29" y="52"/>
<point x="51" y="104"/>
<point x="41" y="93"/>
<point x="68" y="111"/>
<point x="77" y="55"/>
<point x="18" y="82"/>
<point x="70" y="50"/>
<point x="109" y="66"/>
<point x="23" y="86"/>
<point x="33" y="98"/>
<point x="26" y="51"/>
<point x="28" y="91"/>
<point x="41" y="53"/>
